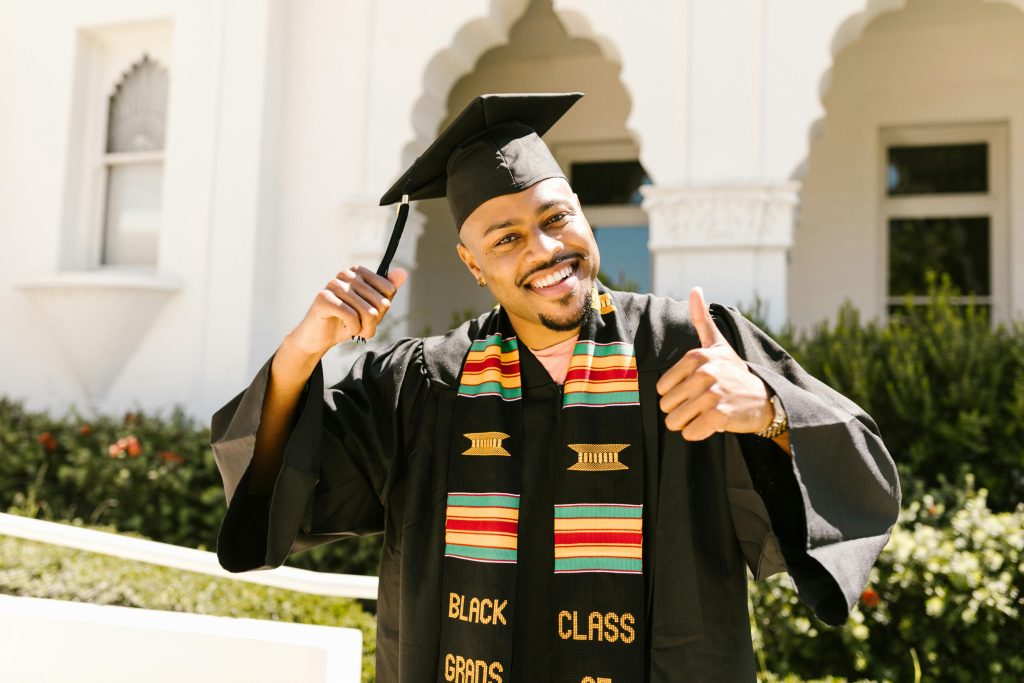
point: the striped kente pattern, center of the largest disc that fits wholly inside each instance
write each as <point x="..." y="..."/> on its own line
<point x="598" y="538"/>
<point x="601" y="375"/>
<point x="482" y="527"/>
<point x="492" y="369"/>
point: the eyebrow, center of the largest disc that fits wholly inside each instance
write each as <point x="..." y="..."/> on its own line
<point x="515" y="221"/>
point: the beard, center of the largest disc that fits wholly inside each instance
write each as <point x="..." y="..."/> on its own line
<point x="573" y="319"/>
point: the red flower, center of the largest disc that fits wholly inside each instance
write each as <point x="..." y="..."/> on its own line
<point x="869" y="598"/>
<point x="85" y="429"/>
<point x="132" y="446"/>
<point x="48" y="442"/>
<point x="171" y="457"/>
<point x="115" y="449"/>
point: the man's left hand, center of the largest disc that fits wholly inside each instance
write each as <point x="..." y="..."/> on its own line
<point x="711" y="389"/>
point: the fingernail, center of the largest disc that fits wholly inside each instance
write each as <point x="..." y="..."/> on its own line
<point x="373" y="311"/>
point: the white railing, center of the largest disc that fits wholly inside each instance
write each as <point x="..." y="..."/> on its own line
<point x="189" y="559"/>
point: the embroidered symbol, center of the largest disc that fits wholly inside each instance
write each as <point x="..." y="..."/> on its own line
<point x="598" y="457"/>
<point x="486" y="443"/>
<point x="602" y="303"/>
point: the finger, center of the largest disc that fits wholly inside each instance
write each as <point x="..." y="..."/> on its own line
<point x="704" y="425"/>
<point x="708" y="332"/>
<point x="384" y="286"/>
<point x="334" y="307"/>
<point x="694" y="385"/>
<point x="689" y="410"/>
<point x="359" y="287"/>
<point x="367" y="315"/>
<point x="686" y="366"/>
<point x="398" y="276"/>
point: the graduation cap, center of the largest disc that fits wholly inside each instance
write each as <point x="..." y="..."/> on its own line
<point x="492" y="148"/>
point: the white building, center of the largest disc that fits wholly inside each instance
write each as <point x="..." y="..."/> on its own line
<point x="179" y="177"/>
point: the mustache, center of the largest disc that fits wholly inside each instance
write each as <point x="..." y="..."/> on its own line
<point x="554" y="262"/>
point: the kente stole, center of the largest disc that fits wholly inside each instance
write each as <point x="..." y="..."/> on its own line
<point x="597" y="575"/>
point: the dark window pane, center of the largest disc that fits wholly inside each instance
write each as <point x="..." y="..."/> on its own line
<point x="937" y="169"/>
<point x="608" y="182"/>
<point x="625" y="263"/>
<point x="957" y="246"/>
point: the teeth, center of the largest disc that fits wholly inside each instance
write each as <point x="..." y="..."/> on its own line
<point x="549" y="280"/>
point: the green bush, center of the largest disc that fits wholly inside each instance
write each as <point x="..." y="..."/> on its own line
<point x="946" y="595"/>
<point x="945" y="386"/>
<point x="153" y="475"/>
<point x="45" y="571"/>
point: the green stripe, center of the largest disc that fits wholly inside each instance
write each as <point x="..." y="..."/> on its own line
<point x="598" y="511"/>
<point x="596" y="399"/>
<point x="480" y="553"/>
<point x="489" y="388"/>
<point x="484" y="501"/>
<point x="495" y="340"/>
<point x="620" y="563"/>
<point x="586" y="348"/>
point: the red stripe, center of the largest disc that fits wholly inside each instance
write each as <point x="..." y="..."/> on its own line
<point x="481" y="525"/>
<point x="509" y="367"/>
<point x="598" y="538"/>
<point x="598" y="374"/>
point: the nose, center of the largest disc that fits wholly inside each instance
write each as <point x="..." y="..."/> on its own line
<point x="544" y="245"/>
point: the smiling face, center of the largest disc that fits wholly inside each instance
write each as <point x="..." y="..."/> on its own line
<point x="537" y="254"/>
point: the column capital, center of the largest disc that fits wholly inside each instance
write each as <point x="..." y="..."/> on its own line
<point x="724" y="216"/>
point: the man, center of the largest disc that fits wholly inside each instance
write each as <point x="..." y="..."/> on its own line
<point x="543" y="520"/>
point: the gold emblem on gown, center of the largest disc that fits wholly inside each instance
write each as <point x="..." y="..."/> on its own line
<point x="486" y="443"/>
<point x="598" y="457"/>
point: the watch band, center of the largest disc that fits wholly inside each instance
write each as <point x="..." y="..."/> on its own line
<point x="779" y="423"/>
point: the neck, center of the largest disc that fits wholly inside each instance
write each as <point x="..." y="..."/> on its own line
<point x="536" y="335"/>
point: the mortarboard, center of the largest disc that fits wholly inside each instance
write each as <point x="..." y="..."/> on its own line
<point x="491" y="148"/>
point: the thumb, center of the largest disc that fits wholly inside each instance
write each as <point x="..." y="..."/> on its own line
<point x="707" y="331"/>
<point x="398" y="276"/>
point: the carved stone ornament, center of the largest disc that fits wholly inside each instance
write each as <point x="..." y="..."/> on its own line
<point x="740" y="216"/>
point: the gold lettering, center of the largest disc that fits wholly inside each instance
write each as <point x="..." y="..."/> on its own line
<point x="498" y="616"/>
<point x="564" y="633"/>
<point x="454" y="600"/>
<point x="495" y="670"/>
<point x="611" y="626"/>
<point x="449" y="666"/>
<point x="460" y="669"/>
<point x="474" y="610"/>
<point x="485" y="606"/>
<point x="595" y="626"/>
<point x="628" y="634"/>
<point x="576" y="635"/>
<point x="588" y="679"/>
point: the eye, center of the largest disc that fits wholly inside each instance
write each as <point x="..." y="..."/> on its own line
<point x="507" y="239"/>
<point x="556" y="218"/>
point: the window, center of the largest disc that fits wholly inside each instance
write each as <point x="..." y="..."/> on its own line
<point x="607" y="178"/>
<point x="133" y="161"/>
<point x="944" y="209"/>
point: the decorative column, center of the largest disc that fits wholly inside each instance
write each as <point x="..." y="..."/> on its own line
<point x="731" y="240"/>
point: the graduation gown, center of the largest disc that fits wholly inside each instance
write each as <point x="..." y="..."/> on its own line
<point x="369" y="455"/>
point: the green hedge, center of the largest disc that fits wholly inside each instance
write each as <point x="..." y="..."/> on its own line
<point x="945" y="386"/>
<point x="151" y="474"/>
<point x="45" y="571"/>
<point x="946" y="597"/>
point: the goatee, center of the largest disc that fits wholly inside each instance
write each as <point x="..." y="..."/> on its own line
<point x="573" y="322"/>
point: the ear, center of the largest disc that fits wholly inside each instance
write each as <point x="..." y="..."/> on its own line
<point x="470" y="261"/>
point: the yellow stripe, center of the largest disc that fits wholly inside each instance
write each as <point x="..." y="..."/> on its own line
<point x="597" y="524"/>
<point x="466" y="512"/>
<point x="491" y="375"/>
<point x="485" y="540"/>
<point x="476" y="356"/>
<point x="580" y="385"/>
<point x="632" y="552"/>
<point x="602" y="362"/>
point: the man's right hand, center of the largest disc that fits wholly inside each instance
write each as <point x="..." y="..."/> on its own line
<point x="352" y="304"/>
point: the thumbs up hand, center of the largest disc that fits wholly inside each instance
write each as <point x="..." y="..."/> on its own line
<point x="711" y="389"/>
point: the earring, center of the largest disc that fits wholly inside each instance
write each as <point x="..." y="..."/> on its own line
<point x="481" y="283"/>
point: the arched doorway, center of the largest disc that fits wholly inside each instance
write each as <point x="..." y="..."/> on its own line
<point x="910" y="168"/>
<point x="540" y="56"/>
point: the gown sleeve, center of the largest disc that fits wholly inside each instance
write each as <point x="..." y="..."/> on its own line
<point x="825" y="513"/>
<point x="335" y="472"/>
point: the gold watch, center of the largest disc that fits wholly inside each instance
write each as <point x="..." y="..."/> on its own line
<point x="779" y="423"/>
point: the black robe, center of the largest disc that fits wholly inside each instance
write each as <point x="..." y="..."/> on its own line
<point x="369" y="455"/>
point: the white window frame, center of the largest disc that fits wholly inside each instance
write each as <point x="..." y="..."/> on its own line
<point x="105" y="55"/>
<point x="606" y="215"/>
<point x="994" y="204"/>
